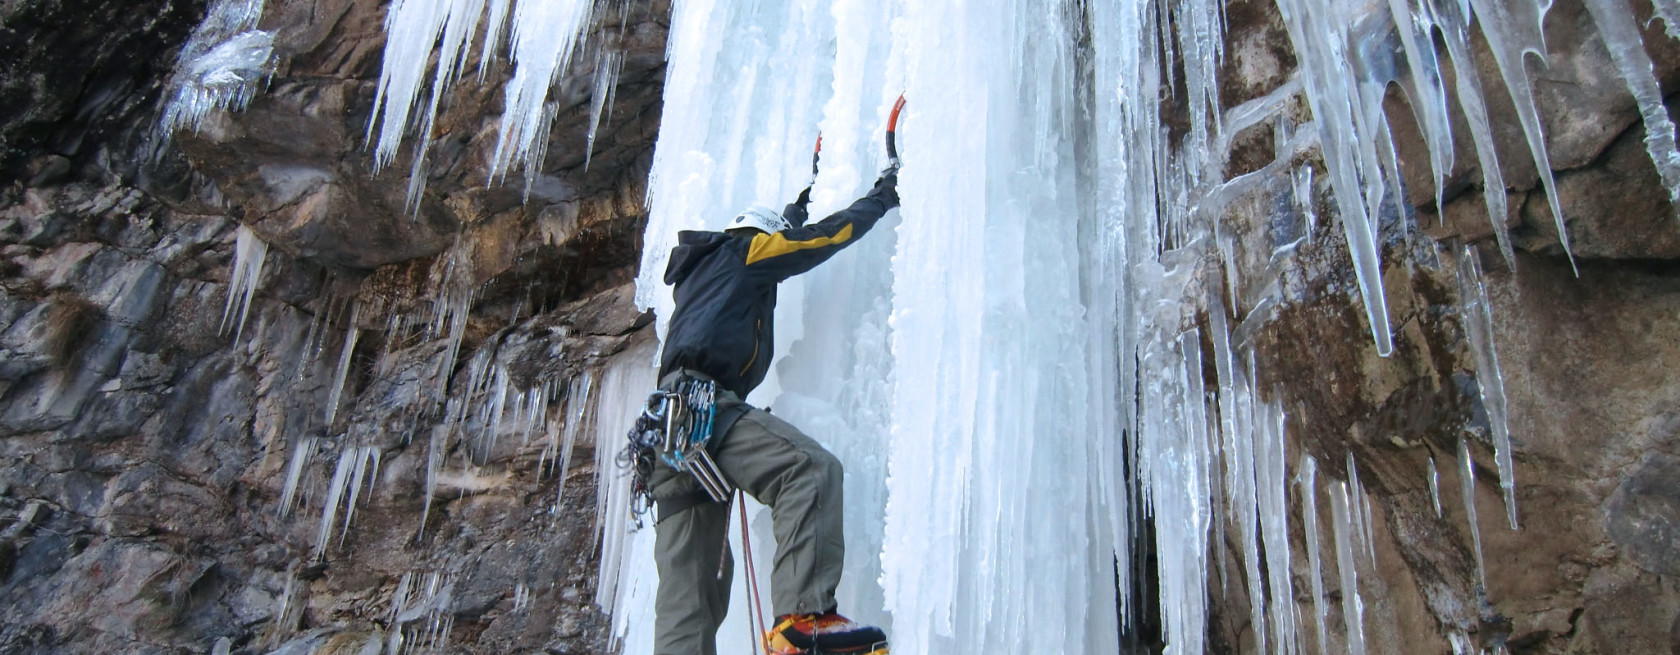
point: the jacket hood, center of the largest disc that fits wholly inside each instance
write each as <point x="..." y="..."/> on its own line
<point x="692" y="247"/>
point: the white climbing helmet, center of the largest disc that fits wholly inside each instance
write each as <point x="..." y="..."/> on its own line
<point x="759" y="217"/>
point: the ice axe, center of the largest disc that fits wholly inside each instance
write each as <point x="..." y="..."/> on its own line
<point x="892" y="133"/>
<point x="815" y="154"/>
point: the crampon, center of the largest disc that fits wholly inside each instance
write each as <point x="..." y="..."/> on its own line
<point x="823" y="634"/>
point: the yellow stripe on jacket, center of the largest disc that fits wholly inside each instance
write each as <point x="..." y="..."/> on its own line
<point x="765" y="246"/>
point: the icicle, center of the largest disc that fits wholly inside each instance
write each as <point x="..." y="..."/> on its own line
<point x="348" y="460"/>
<point x="367" y="466"/>
<point x="1426" y="90"/>
<point x="544" y="33"/>
<point x="607" y="68"/>
<point x="1236" y="420"/>
<point x="1359" y="509"/>
<point x="1307" y="476"/>
<point x="1453" y="19"/>
<point x="1347" y="141"/>
<point x="1303" y="182"/>
<point x="1461" y="644"/>
<point x="286" y="612"/>
<point x="1669" y="12"/>
<point x="413" y="29"/>
<point x="1177" y="444"/>
<point x="434" y="462"/>
<point x="220" y="67"/>
<point x="1490" y="381"/>
<point x="422" y="615"/>
<point x="1370" y="534"/>
<point x="351" y="335"/>
<point x="246" y="277"/>
<point x="451" y="312"/>
<point x="1353" y="608"/>
<point x="1201" y="43"/>
<point x="1240" y="447"/>
<point x="577" y="401"/>
<point x="1467" y="483"/>
<point x="1627" y="50"/>
<point x="294" y="473"/>
<point x="1512" y="28"/>
<point x="1272" y="484"/>
<point x="534" y="414"/>
<point x="1434" y="486"/>
<point x="521" y="597"/>
<point x="494" y="409"/>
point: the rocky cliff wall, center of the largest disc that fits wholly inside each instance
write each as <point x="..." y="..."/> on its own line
<point x="149" y="437"/>
<point x="1587" y="357"/>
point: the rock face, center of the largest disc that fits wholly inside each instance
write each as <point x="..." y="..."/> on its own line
<point x="1587" y="362"/>
<point x="147" y="436"/>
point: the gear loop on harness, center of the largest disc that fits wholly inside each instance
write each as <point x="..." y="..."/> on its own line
<point x="675" y="427"/>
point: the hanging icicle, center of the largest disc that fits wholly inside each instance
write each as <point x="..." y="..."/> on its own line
<point x="249" y="251"/>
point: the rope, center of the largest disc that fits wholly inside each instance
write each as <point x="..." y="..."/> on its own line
<point x="755" y="600"/>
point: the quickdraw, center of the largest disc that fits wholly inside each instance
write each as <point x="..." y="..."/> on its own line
<point x="675" y="426"/>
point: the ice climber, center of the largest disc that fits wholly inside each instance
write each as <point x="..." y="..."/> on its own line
<point x="721" y="332"/>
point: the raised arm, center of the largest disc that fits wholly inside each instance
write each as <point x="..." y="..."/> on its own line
<point x="799" y="249"/>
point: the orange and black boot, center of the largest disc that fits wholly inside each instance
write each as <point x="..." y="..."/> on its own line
<point x="823" y="634"/>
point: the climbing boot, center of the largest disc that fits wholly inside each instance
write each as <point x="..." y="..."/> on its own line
<point x="823" y="634"/>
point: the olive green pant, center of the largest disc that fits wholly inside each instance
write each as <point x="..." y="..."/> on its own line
<point x="782" y="468"/>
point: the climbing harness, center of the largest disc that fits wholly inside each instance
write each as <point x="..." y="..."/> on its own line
<point x="675" y="427"/>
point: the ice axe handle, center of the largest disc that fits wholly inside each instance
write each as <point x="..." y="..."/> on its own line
<point x="892" y="132"/>
<point x="815" y="154"/>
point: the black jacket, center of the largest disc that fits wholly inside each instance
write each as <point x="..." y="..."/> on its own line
<point x="724" y="321"/>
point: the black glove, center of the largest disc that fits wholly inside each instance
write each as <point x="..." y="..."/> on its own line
<point x="886" y="188"/>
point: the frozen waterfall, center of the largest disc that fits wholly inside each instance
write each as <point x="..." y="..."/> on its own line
<point x="1012" y="370"/>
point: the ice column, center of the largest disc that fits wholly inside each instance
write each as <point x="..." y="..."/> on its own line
<point x="991" y="425"/>
<point x="942" y="359"/>
<point x="627" y="575"/>
<point x="1176" y="443"/>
